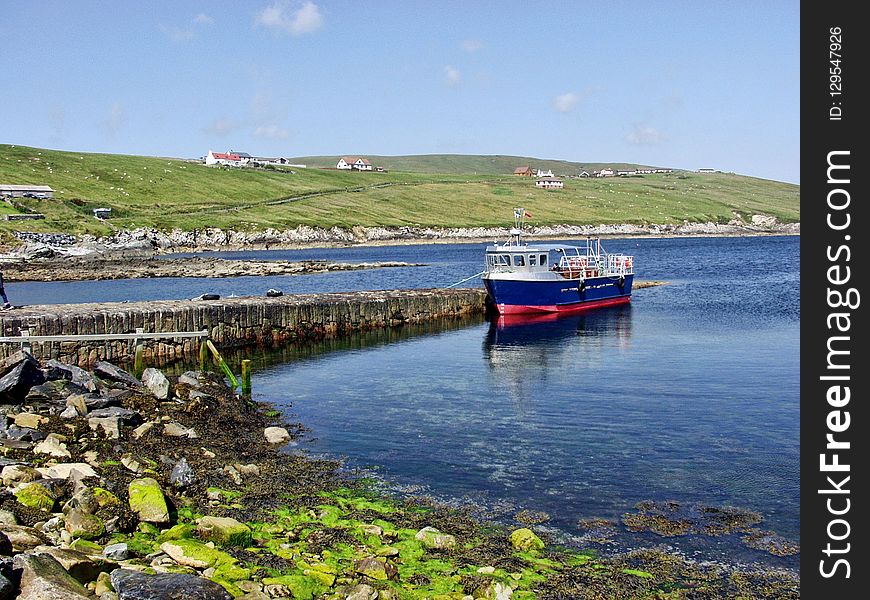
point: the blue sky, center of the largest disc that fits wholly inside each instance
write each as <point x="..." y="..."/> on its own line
<point x="678" y="84"/>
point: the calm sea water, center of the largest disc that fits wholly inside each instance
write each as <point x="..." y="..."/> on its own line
<point x="689" y="394"/>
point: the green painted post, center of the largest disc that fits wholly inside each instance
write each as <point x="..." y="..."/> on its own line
<point x="223" y="365"/>
<point x="246" y="377"/>
<point x="139" y="356"/>
<point x="203" y="356"/>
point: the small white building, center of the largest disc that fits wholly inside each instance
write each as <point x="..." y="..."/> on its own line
<point x="707" y="171"/>
<point x="549" y="183"/>
<point x="228" y="158"/>
<point x="606" y="172"/>
<point x="102" y="213"/>
<point x="543" y="173"/>
<point x="354" y="163"/>
<point x="40" y="192"/>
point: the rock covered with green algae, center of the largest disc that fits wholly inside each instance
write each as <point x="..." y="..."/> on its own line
<point x="524" y="539"/>
<point x="434" y="539"/>
<point x="224" y="531"/>
<point x="192" y="553"/>
<point x="36" y="496"/>
<point x="147" y="501"/>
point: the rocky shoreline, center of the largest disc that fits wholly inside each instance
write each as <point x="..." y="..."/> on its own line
<point x="143" y="242"/>
<point x="124" y="488"/>
<point x="78" y="268"/>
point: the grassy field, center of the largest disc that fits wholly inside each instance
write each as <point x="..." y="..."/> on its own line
<point x="168" y="192"/>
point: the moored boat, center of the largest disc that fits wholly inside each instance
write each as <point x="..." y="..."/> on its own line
<point x="551" y="278"/>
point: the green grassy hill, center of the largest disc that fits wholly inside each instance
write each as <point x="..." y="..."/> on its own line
<point x="168" y="193"/>
<point x="465" y="164"/>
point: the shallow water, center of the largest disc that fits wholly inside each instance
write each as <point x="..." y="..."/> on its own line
<point x="689" y="394"/>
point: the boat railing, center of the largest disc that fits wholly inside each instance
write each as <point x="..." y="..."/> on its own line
<point x="620" y="264"/>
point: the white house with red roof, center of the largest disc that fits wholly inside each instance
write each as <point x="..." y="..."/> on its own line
<point x="354" y="163"/>
<point x="233" y="159"/>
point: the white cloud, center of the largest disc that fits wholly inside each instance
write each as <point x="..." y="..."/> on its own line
<point x="471" y="45"/>
<point x="273" y="132"/>
<point x="220" y="127"/>
<point x="115" y="119"/>
<point x="291" y="17"/>
<point x="451" y="75"/>
<point x="203" y="19"/>
<point x="567" y="102"/>
<point x="643" y="135"/>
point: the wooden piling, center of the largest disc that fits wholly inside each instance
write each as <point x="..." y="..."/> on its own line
<point x="246" y="377"/>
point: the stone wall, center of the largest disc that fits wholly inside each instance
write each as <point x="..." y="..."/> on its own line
<point x="231" y="322"/>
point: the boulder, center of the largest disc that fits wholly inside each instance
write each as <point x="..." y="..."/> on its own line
<point x="435" y="540"/>
<point x="118" y="551"/>
<point x="23" y="538"/>
<point x="276" y="435"/>
<point x="224" y="531"/>
<point x="147" y="501"/>
<point x="18" y="380"/>
<point x="19" y="474"/>
<point x="379" y="570"/>
<point x="133" y="585"/>
<point x="82" y="524"/>
<point x="105" y="370"/>
<point x="53" y="447"/>
<point x="27" y="419"/>
<point x="197" y="555"/>
<point x="73" y="374"/>
<point x="66" y="470"/>
<point x="361" y="591"/>
<point x="36" y="496"/>
<point x="190" y="378"/>
<point x="7" y="588"/>
<point x="182" y="474"/>
<point x="111" y="426"/>
<point x="82" y="567"/>
<point x="78" y="404"/>
<point x="44" y="578"/>
<point x="156" y="382"/>
<point x="127" y="416"/>
<point x="524" y="539"/>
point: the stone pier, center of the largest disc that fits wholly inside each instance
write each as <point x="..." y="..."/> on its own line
<point x="230" y="322"/>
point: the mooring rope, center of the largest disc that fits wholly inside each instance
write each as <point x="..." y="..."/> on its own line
<point x="466" y="279"/>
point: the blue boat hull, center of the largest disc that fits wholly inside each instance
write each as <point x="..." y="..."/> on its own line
<point x="512" y="296"/>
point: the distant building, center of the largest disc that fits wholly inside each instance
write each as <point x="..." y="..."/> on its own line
<point x="229" y="158"/>
<point x="41" y="192"/>
<point x="606" y="172"/>
<point x="542" y="173"/>
<point x="583" y="174"/>
<point x="549" y="183"/>
<point x="354" y="163"/>
<point x="625" y="173"/>
<point x="524" y="171"/>
<point x="707" y="171"/>
<point x="102" y="213"/>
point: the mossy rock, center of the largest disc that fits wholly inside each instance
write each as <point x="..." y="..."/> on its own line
<point x="182" y="531"/>
<point x="435" y="540"/>
<point x="104" y="497"/>
<point x="86" y="546"/>
<point x="36" y="496"/>
<point x="524" y="539"/>
<point x="147" y="501"/>
<point x="81" y="524"/>
<point x="195" y="554"/>
<point x="224" y="531"/>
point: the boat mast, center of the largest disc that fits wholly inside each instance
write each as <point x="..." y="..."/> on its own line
<point x="519" y="224"/>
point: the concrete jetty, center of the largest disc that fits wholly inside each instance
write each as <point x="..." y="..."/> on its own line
<point x="230" y="322"/>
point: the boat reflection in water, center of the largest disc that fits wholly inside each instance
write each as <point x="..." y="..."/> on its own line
<point x="527" y="351"/>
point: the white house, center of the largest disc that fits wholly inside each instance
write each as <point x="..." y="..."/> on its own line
<point x="606" y="172"/>
<point x="230" y="158"/>
<point x="542" y="173"/>
<point x="355" y="163"/>
<point x="707" y="171"/>
<point x="549" y="183"/>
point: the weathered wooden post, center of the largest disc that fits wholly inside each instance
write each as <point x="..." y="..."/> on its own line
<point x="246" y="377"/>
<point x="139" y="356"/>
<point x="223" y="365"/>
<point x="203" y="356"/>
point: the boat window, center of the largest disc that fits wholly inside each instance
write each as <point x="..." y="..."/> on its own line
<point x="533" y="260"/>
<point x="543" y="259"/>
<point x="504" y="260"/>
<point x="519" y="260"/>
<point x="493" y="259"/>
